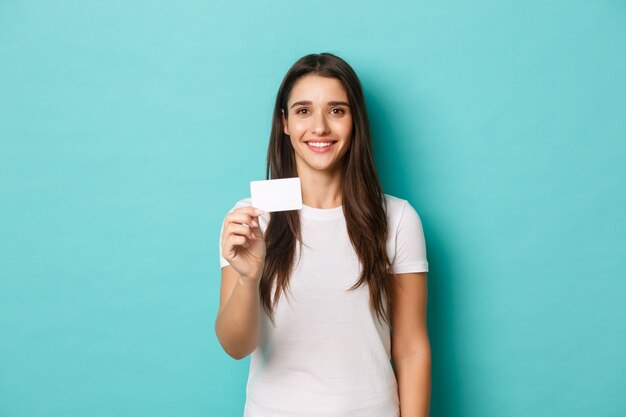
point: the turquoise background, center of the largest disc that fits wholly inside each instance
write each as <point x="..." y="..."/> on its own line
<point x="128" y="129"/>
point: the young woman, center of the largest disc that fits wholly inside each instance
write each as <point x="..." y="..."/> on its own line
<point x="325" y="297"/>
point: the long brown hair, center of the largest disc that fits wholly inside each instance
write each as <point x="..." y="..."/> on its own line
<point x="363" y="199"/>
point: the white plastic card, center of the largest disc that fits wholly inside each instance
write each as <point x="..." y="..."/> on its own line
<point x="277" y="195"/>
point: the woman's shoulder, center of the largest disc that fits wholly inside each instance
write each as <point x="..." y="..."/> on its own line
<point x="399" y="210"/>
<point x="394" y="205"/>
<point x="406" y="245"/>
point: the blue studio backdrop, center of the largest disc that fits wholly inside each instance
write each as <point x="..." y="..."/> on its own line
<point x="128" y="129"/>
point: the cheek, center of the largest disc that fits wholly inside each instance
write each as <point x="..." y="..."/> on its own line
<point x="297" y="126"/>
<point x="349" y="129"/>
<point x="345" y="127"/>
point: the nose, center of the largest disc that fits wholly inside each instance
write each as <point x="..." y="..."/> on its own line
<point x="320" y="124"/>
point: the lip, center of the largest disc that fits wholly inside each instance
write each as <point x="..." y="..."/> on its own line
<point x="320" y="150"/>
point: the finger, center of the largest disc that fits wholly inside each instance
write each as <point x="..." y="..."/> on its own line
<point x="257" y="232"/>
<point x="239" y="229"/>
<point x="252" y="211"/>
<point x="230" y="243"/>
<point x="241" y="218"/>
<point x="249" y="210"/>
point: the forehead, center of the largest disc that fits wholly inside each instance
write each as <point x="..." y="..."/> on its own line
<point x="315" y="88"/>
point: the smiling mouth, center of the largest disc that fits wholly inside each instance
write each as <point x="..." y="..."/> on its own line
<point x="320" y="144"/>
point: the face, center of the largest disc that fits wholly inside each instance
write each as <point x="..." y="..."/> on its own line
<point x="319" y="124"/>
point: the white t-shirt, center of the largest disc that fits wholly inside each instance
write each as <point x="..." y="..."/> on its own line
<point x="328" y="355"/>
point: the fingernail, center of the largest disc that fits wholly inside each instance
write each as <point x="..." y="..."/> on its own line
<point x="258" y="211"/>
<point x="254" y="223"/>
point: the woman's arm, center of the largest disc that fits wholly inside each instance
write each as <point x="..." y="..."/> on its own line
<point x="410" y="346"/>
<point x="243" y="246"/>
<point x="237" y="323"/>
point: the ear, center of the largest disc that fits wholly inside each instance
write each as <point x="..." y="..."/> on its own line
<point x="285" y="128"/>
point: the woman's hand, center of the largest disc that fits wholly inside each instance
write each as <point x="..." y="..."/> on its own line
<point x="242" y="242"/>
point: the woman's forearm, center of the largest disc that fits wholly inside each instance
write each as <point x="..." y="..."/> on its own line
<point x="413" y="373"/>
<point x="237" y="324"/>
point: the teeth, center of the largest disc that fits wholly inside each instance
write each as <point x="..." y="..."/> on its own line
<point x="320" y="144"/>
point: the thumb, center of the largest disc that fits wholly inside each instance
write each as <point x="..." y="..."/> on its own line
<point x="257" y="232"/>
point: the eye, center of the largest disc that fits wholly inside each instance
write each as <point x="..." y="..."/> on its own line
<point x="338" y="111"/>
<point x="302" y="110"/>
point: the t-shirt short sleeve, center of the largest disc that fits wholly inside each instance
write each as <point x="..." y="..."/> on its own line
<point x="410" y="244"/>
<point x="240" y="203"/>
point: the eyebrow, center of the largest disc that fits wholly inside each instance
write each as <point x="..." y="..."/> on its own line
<point x="332" y="103"/>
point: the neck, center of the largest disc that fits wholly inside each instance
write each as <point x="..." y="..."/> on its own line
<point x="321" y="189"/>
